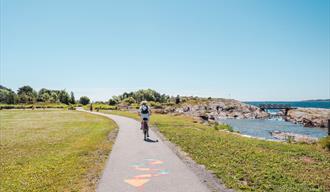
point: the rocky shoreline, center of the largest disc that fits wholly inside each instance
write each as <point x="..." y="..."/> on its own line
<point x="217" y="108"/>
<point x="309" y="117"/>
<point x="212" y="109"/>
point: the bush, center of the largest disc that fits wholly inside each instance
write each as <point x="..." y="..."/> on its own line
<point x="113" y="102"/>
<point x="71" y="107"/>
<point x="218" y="126"/>
<point x="84" y="100"/>
<point x="325" y="142"/>
<point x="129" y="100"/>
<point x="101" y="107"/>
<point x="135" y="106"/>
<point x="155" y="105"/>
<point x="177" y="99"/>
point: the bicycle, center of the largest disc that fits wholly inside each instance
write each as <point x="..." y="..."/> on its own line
<point x="145" y="128"/>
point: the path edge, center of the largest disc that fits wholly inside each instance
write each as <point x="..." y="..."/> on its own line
<point x="205" y="176"/>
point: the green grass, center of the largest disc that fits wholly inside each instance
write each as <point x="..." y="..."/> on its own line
<point x="36" y="106"/>
<point x="52" y="150"/>
<point x="247" y="164"/>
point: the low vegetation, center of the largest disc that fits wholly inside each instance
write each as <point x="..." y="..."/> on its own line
<point x="100" y="106"/>
<point x="52" y="150"/>
<point x="244" y="163"/>
<point x="325" y="143"/>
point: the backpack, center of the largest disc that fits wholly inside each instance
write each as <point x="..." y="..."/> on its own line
<point x="144" y="109"/>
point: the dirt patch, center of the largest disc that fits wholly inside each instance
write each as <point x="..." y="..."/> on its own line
<point x="113" y="135"/>
<point x="306" y="159"/>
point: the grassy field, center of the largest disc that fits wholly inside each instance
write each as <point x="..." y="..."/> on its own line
<point x="34" y="106"/>
<point x="247" y="164"/>
<point x="52" y="150"/>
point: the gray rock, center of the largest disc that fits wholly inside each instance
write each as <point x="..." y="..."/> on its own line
<point x="309" y="117"/>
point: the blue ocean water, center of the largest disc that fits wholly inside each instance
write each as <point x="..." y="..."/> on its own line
<point x="305" y="104"/>
<point x="263" y="128"/>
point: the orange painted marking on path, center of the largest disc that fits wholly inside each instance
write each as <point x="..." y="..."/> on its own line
<point x="137" y="182"/>
<point x="143" y="176"/>
<point x="156" y="162"/>
<point x="143" y="169"/>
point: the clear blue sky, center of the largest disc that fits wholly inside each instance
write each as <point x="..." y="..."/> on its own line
<point x="242" y="49"/>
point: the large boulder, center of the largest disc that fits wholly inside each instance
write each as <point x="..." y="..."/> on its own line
<point x="309" y="117"/>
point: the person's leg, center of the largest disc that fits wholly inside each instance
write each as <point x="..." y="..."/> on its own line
<point x="147" y="124"/>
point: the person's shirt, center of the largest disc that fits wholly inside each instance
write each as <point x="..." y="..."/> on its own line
<point x="144" y="109"/>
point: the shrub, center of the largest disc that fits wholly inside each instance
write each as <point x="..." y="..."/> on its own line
<point x="156" y="105"/>
<point x="177" y="99"/>
<point x="325" y="142"/>
<point x="101" y="107"/>
<point x="71" y="107"/>
<point x="129" y="100"/>
<point x="84" y="100"/>
<point x="113" y="102"/>
<point x="218" y="126"/>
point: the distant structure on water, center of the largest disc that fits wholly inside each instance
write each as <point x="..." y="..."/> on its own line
<point x="285" y="107"/>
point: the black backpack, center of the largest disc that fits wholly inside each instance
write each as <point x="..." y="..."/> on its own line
<point x="144" y="109"/>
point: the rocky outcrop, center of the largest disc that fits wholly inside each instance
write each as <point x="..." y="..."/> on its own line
<point x="220" y="108"/>
<point x="309" y="117"/>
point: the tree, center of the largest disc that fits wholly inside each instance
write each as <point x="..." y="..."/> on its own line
<point x="113" y="101"/>
<point x="44" y="97"/>
<point x="84" y="100"/>
<point x="7" y="96"/>
<point x="144" y="94"/>
<point x="129" y="100"/>
<point x="25" y="89"/>
<point x="177" y="99"/>
<point x="54" y="97"/>
<point x="72" y="99"/>
<point x="64" y="97"/>
<point x="26" y="94"/>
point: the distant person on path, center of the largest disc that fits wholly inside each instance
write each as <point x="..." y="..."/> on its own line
<point x="144" y="112"/>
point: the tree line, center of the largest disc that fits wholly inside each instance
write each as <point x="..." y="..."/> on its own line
<point x="27" y="95"/>
<point x="143" y="95"/>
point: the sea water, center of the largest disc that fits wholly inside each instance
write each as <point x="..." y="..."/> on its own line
<point x="303" y="104"/>
<point x="263" y="128"/>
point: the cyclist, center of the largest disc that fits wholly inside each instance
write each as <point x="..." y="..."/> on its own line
<point x="144" y="113"/>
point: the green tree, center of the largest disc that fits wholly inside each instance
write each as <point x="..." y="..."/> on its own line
<point x="26" y="94"/>
<point x="145" y="94"/>
<point x="129" y="100"/>
<point x="84" y="100"/>
<point x="112" y="101"/>
<point x="54" y="97"/>
<point x="44" y="97"/>
<point x="7" y="95"/>
<point x="72" y="98"/>
<point x="177" y="99"/>
<point x="64" y="97"/>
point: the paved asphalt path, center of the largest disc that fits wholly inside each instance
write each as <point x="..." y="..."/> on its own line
<point x="138" y="165"/>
